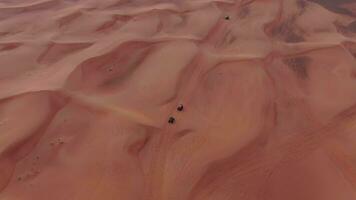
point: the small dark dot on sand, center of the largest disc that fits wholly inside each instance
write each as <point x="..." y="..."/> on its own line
<point x="19" y="178"/>
<point x="37" y="157"/>
<point x="227" y="17"/>
<point x="180" y="107"/>
<point x="171" y="120"/>
<point x="61" y="142"/>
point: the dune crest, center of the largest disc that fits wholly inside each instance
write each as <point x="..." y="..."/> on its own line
<point x="177" y="99"/>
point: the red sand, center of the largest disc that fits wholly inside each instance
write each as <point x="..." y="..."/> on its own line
<point x="87" y="88"/>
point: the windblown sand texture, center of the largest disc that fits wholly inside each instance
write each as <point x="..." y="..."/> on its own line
<point x="87" y="88"/>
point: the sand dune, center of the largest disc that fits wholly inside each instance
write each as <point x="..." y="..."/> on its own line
<point x="89" y="92"/>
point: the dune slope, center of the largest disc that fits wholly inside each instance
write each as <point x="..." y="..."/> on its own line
<point x="177" y="99"/>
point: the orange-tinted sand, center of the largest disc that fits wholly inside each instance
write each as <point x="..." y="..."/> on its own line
<point x="87" y="88"/>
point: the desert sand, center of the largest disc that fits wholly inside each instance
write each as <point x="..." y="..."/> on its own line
<point x="177" y="100"/>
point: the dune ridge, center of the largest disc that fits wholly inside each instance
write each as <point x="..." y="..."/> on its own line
<point x="87" y="89"/>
